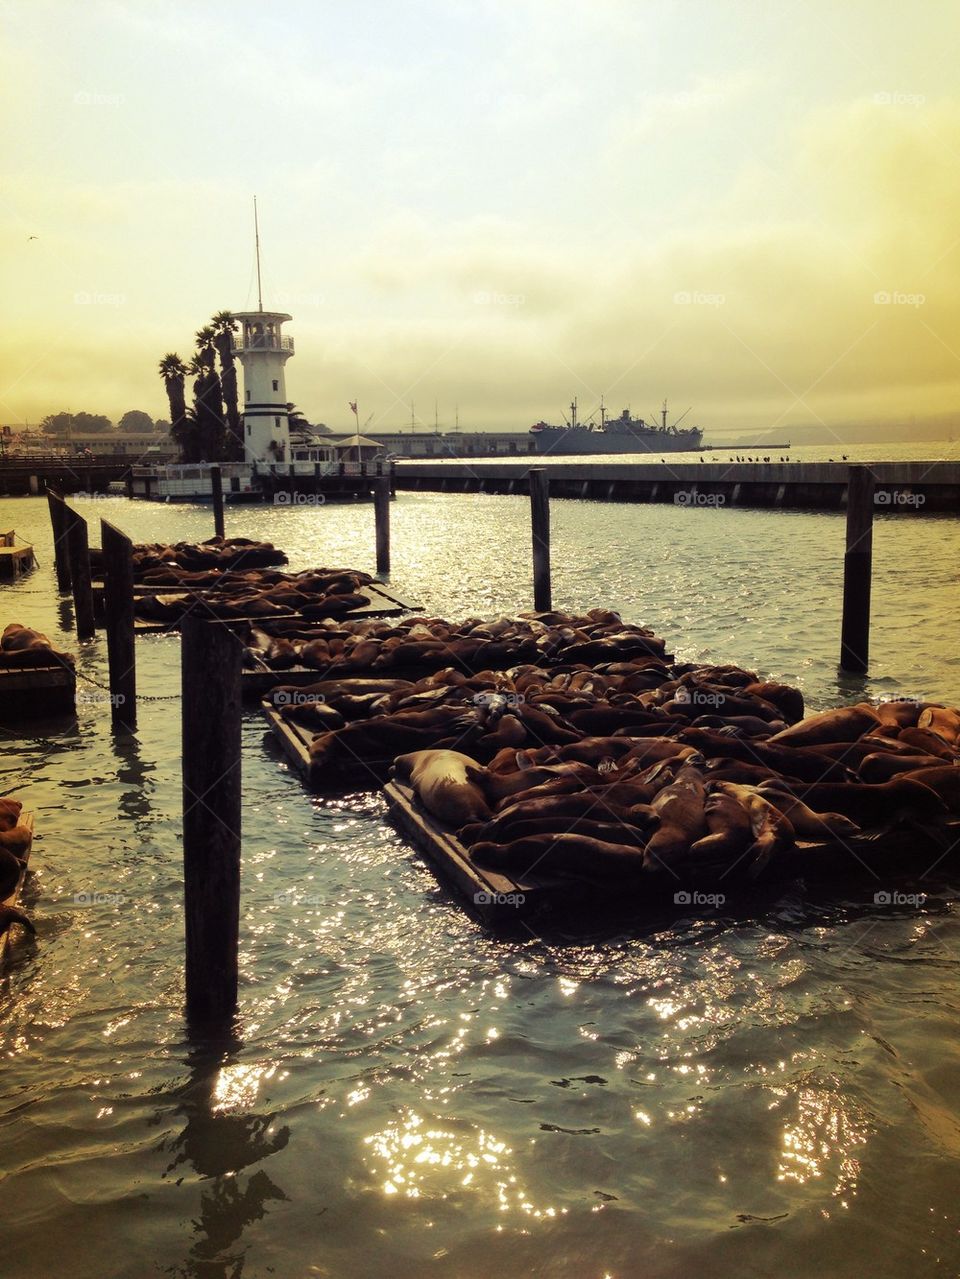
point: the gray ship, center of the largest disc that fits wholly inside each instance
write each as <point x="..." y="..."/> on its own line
<point x="623" y="434"/>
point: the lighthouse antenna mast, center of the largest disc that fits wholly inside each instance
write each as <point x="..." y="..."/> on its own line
<point x="256" y="236"/>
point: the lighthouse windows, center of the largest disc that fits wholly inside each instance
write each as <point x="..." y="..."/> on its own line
<point x="248" y="395"/>
<point x="276" y="423"/>
<point x="276" y="384"/>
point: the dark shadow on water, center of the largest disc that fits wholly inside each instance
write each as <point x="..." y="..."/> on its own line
<point x="217" y="1145"/>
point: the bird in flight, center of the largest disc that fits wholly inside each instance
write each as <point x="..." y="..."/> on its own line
<point x="32" y="237"/>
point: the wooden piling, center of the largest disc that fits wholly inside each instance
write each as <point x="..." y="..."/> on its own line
<point x="216" y="485"/>
<point x="55" y="505"/>
<point x="210" y="695"/>
<point x="540" y="519"/>
<point x="118" y="611"/>
<point x="78" y="556"/>
<point x="857" y="572"/>
<point x="381" y="514"/>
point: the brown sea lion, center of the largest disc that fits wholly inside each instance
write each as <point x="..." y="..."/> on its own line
<point x="11" y="868"/>
<point x="845" y="724"/>
<point x="944" y="779"/>
<point x="772" y="831"/>
<point x="874" y="805"/>
<point x="10" y="810"/>
<point x="806" y="822"/>
<point x="880" y="767"/>
<point x="898" y="714"/>
<point x="680" y="808"/>
<point x="942" y="720"/>
<point x="785" y="697"/>
<point x="447" y="783"/>
<point x="928" y="742"/>
<point x="801" y="763"/>
<point x="611" y="832"/>
<point x="730" y="831"/>
<point x="852" y="754"/>
<point x="567" y="854"/>
<point x="16" y="839"/>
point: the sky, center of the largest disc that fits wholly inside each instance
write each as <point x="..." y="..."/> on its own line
<point x="490" y="207"/>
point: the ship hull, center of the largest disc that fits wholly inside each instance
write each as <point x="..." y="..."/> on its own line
<point x="586" y="443"/>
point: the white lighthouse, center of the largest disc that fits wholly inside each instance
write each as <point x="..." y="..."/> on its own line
<point x="263" y="350"/>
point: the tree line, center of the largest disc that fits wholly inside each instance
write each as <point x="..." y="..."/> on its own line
<point x="134" y="421"/>
<point x="211" y="428"/>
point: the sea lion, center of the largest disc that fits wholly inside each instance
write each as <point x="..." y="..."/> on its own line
<point x="804" y="820"/>
<point x="881" y="766"/>
<point x="785" y="697"/>
<point x="942" y="720"/>
<point x="16" y="839"/>
<point x="447" y="783"/>
<point x="680" y="807"/>
<point x="845" y="724"/>
<point x="610" y="832"/>
<point x="943" y="779"/>
<point x="730" y="831"/>
<point x="928" y="742"/>
<point x="10" y="915"/>
<point x="772" y="831"/>
<point x="737" y="770"/>
<point x="898" y="714"/>
<point x="10" y="810"/>
<point x="11" y="868"/>
<point x="565" y="854"/>
<point x="386" y="736"/>
<point x="874" y="805"/>
<point x="802" y="763"/>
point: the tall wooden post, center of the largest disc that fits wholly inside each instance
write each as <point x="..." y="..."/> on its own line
<point x="857" y="572"/>
<point x="58" y="524"/>
<point x="118" y="610"/>
<point x="381" y="514"/>
<point x="210" y="695"/>
<point x="78" y="554"/>
<point x="216" y="485"/>
<point x="540" y="518"/>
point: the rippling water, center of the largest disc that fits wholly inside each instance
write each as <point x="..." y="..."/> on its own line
<point x="774" y="1093"/>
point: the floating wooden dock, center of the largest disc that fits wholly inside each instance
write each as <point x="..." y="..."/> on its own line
<point x="294" y="741"/>
<point x="27" y="820"/>
<point x="910" y="488"/>
<point x="14" y="559"/>
<point x="36" y="692"/>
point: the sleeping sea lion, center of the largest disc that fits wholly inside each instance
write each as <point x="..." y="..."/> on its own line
<point x="730" y="831"/>
<point x="10" y="810"/>
<point x="566" y="854"/>
<point x="772" y="831"/>
<point x="928" y="742"/>
<point x="680" y="807"/>
<point x="942" y="720"/>
<point x="881" y="766"/>
<point x="787" y="699"/>
<point x="874" y="805"/>
<point x="16" y="840"/>
<point x="845" y="724"/>
<point x="804" y="820"/>
<point x="11" y="868"/>
<point x="448" y="784"/>
<point x="943" y="779"/>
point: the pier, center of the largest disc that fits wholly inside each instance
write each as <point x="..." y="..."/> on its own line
<point x="915" y="487"/>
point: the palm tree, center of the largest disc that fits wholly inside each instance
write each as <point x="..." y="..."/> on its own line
<point x="207" y="397"/>
<point x="174" y="371"/>
<point x="224" y="326"/>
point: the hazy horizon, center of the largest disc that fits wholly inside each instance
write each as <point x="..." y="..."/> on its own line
<point x="493" y="207"/>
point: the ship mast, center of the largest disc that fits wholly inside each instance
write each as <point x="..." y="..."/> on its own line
<point x="573" y="413"/>
<point x="603" y="415"/>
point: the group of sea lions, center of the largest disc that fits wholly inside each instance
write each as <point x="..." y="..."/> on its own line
<point x="370" y="644"/>
<point x="693" y="803"/>
<point x="166" y="561"/>
<point x="22" y="647"/>
<point x="262" y="593"/>
<point x="14" y="846"/>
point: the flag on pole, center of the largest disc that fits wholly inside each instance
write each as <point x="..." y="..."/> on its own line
<point x="353" y="409"/>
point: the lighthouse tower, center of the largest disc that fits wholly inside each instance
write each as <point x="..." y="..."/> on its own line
<point x="263" y="351"/>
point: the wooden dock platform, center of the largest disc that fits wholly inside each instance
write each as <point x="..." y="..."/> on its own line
<point x="14" y="559"/>
<point x="27" y="820"/>
<point x="36" y="692"/>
